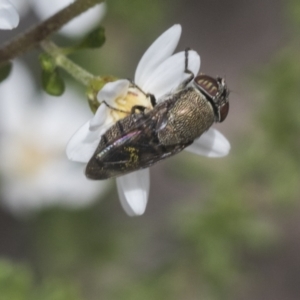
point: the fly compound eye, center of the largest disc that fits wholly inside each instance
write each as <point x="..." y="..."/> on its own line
<point x="223" y="112"/>
<point x="216" y="92"/>
<point x="207" y="85"/>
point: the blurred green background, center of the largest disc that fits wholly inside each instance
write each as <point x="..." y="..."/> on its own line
<point x="214" y="228"/>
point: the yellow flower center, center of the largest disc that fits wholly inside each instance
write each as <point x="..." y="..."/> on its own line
<point x="124" y="105"/>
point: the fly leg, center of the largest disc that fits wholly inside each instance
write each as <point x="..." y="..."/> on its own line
<point x="115" y="109"/>
<point x="186" y="70"/>
<point x="134" y="109"/>
<point x="137" y="108"/>
<point x="148" y="95"/>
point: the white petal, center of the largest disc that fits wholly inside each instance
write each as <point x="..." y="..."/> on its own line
<point x="9" y="17"/>
<point x="109" y="93"/>
<point x="113" y="90"/>
<point x="161" y="49"/>
<point x="133" y="190"/>
<point x="211" y="143"/>
<point x="83" y="144"/>
<point x="170" y="74"/>
<point x="99" y="117"/>
<point x="78" y="26"/>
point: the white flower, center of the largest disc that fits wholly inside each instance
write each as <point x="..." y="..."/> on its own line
<point x="158" y="72"/>
<point x="9" y="17"/>
<point x="76" y="27"/>
<point x="22" y="6"/>
<point x="33" y="133"/>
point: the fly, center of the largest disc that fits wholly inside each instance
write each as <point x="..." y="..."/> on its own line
<point x="146" y="137"/>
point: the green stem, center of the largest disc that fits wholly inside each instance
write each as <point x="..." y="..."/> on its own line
<point x="37" y="34"/>
<point x="62" y="61"/>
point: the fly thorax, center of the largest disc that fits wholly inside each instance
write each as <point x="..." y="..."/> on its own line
<point x="189" y="117"/>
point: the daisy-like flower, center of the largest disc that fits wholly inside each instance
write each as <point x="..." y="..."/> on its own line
<point x="76" y="27"/>
<point x="159" y="73"/>
<point x="9" y="17"/>
<point x="33" y="132"/>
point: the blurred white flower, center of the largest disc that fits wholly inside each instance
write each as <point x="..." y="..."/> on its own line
<point x="22" y="6"/>
<point x="76" y="27"/>
<point x="33" y="134"/>
<point x="9" y="17"/>
<point x="159" y="73"/>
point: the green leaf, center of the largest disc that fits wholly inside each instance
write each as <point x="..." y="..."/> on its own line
<point x="94" y="39"/>
<point x="5" y="71"/>
<point x="47" y="62"/>
<point x="53" y="83"/>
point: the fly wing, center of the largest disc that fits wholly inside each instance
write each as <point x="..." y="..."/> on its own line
<point x="135" y="147"/>
<point x="128" y="154"/>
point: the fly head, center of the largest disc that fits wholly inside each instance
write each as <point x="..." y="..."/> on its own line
<point x="216" y="92"/>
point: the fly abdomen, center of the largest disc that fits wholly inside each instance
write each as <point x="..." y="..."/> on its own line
<point x="190" y="116"/>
